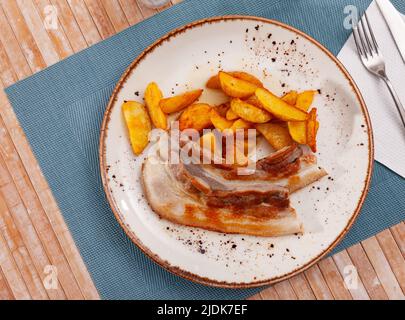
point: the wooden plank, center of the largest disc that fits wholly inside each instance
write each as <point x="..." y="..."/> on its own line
<point x="20" y="254"/>
<point x="333" y="279"/>
<point x="40" y="35"/>
<point x="131" y="11"/>
<point x="116" y="14"/>
<point x="37" y="215"/>
<point x="398" y="232"/>
<point x="145" y="11"/>
<point x="382" y="269"/>
<point x="269" y="294"/>
<point x="30" y="239"/>
<point x="69" y="25"/>
<point x="318" y="284"/>
<point x="23" y="35"/>
<point x="393" y="255"/>
<point x="285" y="291"/>
<point x="11" y="273"/>
<point x="40" y="186"/>
<point x="100" y="18"/>
<point x="12" y="48"/>
<point x="366" y="272"/>
<point x="346" y="269"/>
<point x="56" y="33"/>
<point x="301" y="287"/>
<point x="5" y="292"/>
<point x="85" y="21"/>
<point x="255" y="297"/>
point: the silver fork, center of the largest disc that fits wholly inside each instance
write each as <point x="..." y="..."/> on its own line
<point x="373" y="59"/>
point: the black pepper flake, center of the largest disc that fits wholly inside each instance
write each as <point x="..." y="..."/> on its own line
<point x="137" y="93"/>
<point x="292" y="42"/>
<point x="269" y="36"/>
<point x="274" y="43"/>
<point x="272" y="246"/>
<point x="257" y="27"/>
<point x="288" y="250"/>
<point x="283" y="85"/>
<point x="273" y="59"/>
<point x="319" y="91"/>
<point x="125" y="101"/>
<point x="113" y="176"/>
<point x="247" y="30"/>
<point x="201" y="250"/>
<point x="234" y="246"/>
<point x="254" y="39"/>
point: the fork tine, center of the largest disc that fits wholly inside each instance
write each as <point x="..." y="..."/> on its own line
<point x="371" y="32"/>
<point x="357" y="40"/>
<point x="366" y="37"/>
<point x="360" y="41"/>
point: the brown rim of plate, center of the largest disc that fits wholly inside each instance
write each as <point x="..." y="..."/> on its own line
<point x="165" y="264"/>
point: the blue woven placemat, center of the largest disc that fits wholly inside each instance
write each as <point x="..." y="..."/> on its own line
<point x="61" y="109"/>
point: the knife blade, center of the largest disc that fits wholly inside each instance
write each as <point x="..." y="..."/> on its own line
<point x="395" y="23"/>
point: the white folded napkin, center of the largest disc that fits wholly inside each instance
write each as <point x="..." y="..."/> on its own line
<point x="389" y="133"/>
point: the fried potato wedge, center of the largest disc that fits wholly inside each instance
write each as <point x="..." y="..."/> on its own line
<point x="249" y="112"/>
<point x="153" y="95"/>
<point x="298" y="131"/>
<point x="241" y="124"/>
<point x="235" y="87"/>
<point x="312" y="129"/>
<point x="138" y="123"/>
<point x="254" y="101"/>
<point x="222" y="109"/>
<point x="214" y="83"/>
<point x="219" y="122"/>
<point x="230" y="115"/>
<point x="179" y="102"/>
<point x="291" y="98"/>
<point x="279" y="108"/>
<point x="276" y="134"/>
<point x="305" y="99"/>
<point x="196" y="116"/>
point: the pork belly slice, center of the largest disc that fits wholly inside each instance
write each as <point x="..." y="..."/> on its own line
<point x="170" y="199"/>
<point x="219" y="192"/>
<point x="293" y="167"/>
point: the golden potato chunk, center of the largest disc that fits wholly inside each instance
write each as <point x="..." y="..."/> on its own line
<point x="153" y="95"/>
<point x="138" y="124"/>
<point x="254" y="102"/>
<point x="279" y="108"/>
<point x="230" y="115"/>
<point x="214" y="83"/>
<point x="291" y="97"/>
<point x="241" y="124"/>
<point x="298" y="131"/>
<point x="179" y="102"/>
<point x="219" y="122"/>
<point x="312" y="129"/>
<point x="276" y="134"/>
<point x="196" y="116"/>
<point x="235" y="87"/>
<point x="305" y="99"/>
<point x="249" y="112"/>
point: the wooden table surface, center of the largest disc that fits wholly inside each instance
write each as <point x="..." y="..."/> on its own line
<point x="34" y="238"/>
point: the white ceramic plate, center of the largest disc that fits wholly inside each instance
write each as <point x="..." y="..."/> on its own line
<point x="284" y="59"/>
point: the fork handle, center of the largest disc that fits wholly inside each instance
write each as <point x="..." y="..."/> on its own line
<point x="398" y="103"/>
